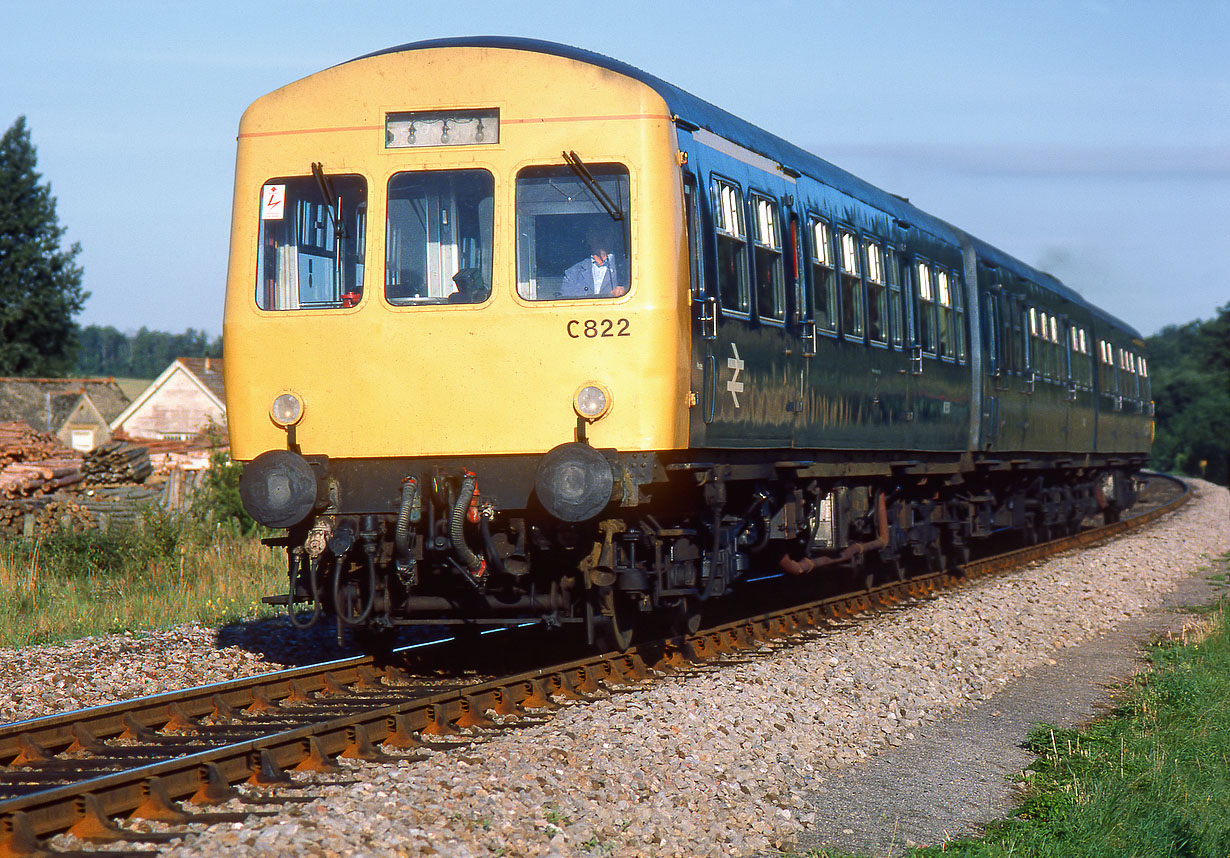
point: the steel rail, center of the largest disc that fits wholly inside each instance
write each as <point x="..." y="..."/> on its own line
<point x="255" y="728"/>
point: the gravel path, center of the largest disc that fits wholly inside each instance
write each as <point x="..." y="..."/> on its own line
<point x="711" y="762"/>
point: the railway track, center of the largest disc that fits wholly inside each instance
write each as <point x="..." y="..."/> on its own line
<point x="138" y="760"/>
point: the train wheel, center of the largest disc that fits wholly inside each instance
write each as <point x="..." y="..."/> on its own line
<point x="685" y="616"/>
<point x="615" y="621"/>
<point x="892" y="564"/>
<point x="935" y="558"/>
<point x="1029" y="533"/>
<point x="959" y="554"/>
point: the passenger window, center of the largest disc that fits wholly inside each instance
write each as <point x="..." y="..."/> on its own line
<point x="1040" y="362"/>
<point x="1107" y="381"/>
<point x="1129" y="387"/>
<point x="770" y="280"/>
<point x="945" y="338"/>
<point x="1086" y="362"/>
<point x="926" y="308"/>
<point x="896" y="319"/>
<point x="1006" y="338"/>
<point x="312" y="240"/>
<point x="438" y="238"/>
<point x="958" y="318"/>
<point x="1063" y="350"/>
<point x="1079" y="363"/>
<point x="851" y="287"/>
<point x="824" y="276"/>
<point x="1020" y="338"/>
<point x="877" y="294"/>
<point x="572" y="233"/>
<point x="731" y="248"/>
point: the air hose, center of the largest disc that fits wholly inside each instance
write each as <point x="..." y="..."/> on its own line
<point x="296" y="567"/>
<point x="409" y="512"/>
<point x="360" y="618"/>
<point x="475" y="566"/>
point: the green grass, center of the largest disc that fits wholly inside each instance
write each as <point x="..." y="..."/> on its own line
<point x="173" y="569"/>
<point x="1152" y="779"/>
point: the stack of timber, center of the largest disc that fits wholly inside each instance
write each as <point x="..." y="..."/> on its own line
<point x="117" y="507"/>
<point x="29" y="517"/>
<point x="168" y="456"/>
<point x="34" y="463"/>
<point x="117" y="463"/>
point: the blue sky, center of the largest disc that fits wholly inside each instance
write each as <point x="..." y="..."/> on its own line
<point x="1091" y="139"/>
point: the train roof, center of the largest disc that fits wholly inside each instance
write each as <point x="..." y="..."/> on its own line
<point x="701" y="113"/>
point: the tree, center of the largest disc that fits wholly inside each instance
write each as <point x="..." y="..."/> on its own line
<point x="40" y="282"/>
<point x="145" y="354"/>
<point x="1190" y="368"/>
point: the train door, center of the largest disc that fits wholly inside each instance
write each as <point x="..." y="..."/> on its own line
<point x="798" y="312"/>
<point x="1066" y="387"/>
<point x="993" y="367"/>
<point x="1048" y="421"/>
<point x="818" y="425"/>
<point x="912" y="351"/>
<point x="1022" y="380"/>
<point x="757" y="368"/>
<point x="704" y="319"/>
<point x="895" y="383"/>
<point x="1080" y="421"/>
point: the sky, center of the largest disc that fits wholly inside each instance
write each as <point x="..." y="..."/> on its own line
<point x="1090" y="139"/>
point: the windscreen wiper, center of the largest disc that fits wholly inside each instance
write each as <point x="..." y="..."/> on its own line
<point x="332" y="203"/>
<point x="587" y="177"/>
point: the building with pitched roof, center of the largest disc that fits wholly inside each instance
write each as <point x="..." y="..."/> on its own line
<point x="182" y="402"/>
<point x="78" y="411"/>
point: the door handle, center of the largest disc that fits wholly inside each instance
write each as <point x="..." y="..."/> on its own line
<point x="708" y="318"/>
<point x="807" y="332"/>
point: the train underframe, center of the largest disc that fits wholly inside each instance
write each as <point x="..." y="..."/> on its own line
<point x="500" y="541"/>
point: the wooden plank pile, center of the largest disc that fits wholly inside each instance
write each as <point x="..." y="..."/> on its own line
<point x="117" y="463"/>
<point x="34" y="463"/>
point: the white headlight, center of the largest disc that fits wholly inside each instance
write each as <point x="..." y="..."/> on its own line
<point x="286" y="410"/>
<point x="591" y="401"/>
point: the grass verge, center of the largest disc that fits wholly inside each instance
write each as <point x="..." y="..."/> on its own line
<point x="1152" y="779"/>
<point x="173" y="569"/>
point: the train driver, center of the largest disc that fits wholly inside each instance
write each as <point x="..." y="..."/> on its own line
<point x="601" y="274"/>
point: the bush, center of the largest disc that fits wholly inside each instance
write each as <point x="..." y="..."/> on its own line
<point x="217" y="499"/>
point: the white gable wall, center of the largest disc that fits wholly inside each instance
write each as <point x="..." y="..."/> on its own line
<point x="178" y="407"/>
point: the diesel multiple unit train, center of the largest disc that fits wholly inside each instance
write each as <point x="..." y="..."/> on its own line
<point x="518" y="332"/>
